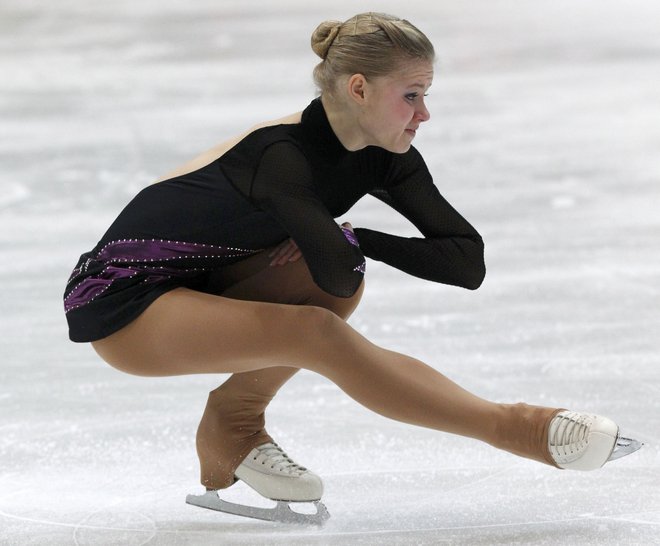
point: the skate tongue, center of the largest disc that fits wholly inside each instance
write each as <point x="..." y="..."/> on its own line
<point x="273" y="455"/>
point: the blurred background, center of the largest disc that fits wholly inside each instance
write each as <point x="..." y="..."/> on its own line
<point x="545" y="134"/>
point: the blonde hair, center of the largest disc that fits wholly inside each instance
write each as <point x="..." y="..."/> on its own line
<point x="372" y="44"/>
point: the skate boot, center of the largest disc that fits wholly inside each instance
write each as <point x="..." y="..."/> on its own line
<point x="581" y="441"/>
<point x="274" y="475"/>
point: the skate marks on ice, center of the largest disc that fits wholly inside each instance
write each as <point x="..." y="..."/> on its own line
<point x="100" y="528"/>
<point x="135" y="529"/>
<point x="462" y="505"/>
<point x="114" y="526"/>
<point x="484" y="504"/>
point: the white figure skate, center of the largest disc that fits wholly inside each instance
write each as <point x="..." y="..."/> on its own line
<point x="272" y="474"/>
<point x="581" y="441"/>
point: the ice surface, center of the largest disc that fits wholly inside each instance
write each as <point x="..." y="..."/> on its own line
<point x="545" y="134"/>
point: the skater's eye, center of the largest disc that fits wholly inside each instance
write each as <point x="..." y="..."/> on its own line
<point x="412" y="96"/>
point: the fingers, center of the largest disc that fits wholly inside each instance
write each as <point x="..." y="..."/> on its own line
<point x="284" y="253"/>
<point x="288" y="251"/>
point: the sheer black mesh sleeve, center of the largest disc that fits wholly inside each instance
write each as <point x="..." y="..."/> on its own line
<point x="283" y="187"/>
<point x="451" y="252"/>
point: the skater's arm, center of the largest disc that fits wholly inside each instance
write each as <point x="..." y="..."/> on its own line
<point x="282" y="187"/>
<point x="451" y="250"/>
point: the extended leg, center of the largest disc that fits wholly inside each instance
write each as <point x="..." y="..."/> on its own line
<point x="187" y="332"/>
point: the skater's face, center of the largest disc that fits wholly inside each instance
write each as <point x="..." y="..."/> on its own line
<point x="392" y="107"/>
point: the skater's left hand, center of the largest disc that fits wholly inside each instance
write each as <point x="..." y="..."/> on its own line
<point x="286" y="252"/>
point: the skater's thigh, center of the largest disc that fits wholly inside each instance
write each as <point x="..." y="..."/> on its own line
<point x="185" y="331"/>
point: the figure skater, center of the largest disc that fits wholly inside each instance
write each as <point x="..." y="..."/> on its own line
<point x="234" y="263"/>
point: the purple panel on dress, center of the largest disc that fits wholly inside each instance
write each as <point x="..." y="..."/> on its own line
<point x="138" y="251"/>
<point x="353" y="240"/>
<point x="350" y="236"/>
<point x="92" y="287"/>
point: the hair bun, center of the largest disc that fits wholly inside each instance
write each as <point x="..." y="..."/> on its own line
<point x="323" y="37"/>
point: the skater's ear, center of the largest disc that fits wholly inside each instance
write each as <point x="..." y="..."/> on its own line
<point x="356" y="87"/>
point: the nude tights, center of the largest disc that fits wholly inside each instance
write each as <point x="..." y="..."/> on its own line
<point x="264" y="323"/>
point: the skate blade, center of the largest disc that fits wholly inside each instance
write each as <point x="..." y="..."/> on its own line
<point x="281" y="512"/>
<point x="624" y="446"/>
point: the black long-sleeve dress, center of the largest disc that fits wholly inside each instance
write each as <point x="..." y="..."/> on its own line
<point x="289" y="180"/>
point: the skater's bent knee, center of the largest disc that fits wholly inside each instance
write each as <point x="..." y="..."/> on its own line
<point x="314" y="318"/>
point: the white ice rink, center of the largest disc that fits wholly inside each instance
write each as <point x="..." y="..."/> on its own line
<point x="545" y="134"/>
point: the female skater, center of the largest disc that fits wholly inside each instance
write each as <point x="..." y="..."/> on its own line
<point x="234" y="263"/>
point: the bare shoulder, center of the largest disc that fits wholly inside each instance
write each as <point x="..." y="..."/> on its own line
<point x="220" y="149"/>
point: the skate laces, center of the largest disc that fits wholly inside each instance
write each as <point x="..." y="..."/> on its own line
<point x="272" y="456"/>
<point x="568" y="433"/>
